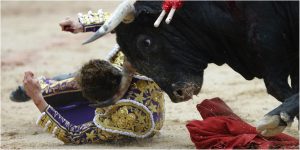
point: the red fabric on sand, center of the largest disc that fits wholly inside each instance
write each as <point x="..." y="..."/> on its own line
<point x="221" y="128"/>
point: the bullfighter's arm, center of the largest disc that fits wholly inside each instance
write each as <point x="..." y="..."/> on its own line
<point x="89" y="22"/>
<point x="53" y="122"/>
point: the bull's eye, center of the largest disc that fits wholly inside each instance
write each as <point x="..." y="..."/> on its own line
<point x="144" y="42"/>
<point x="147" y="43"/>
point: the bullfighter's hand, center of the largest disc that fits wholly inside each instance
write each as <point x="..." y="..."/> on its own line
<point x="271" y="125"/>
<point x="70" y="25"/>
<point x="33" y="90"/>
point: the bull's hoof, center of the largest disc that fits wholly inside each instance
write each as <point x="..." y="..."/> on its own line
<point x="273" y="125"/>
<point x="19" y="95"/>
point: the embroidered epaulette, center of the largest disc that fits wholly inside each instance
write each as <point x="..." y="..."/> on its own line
<point x="92" y="21"/>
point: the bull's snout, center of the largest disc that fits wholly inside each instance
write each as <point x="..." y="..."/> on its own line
<point x="183" y="91"/>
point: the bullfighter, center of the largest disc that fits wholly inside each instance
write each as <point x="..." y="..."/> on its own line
<point x="69" y="103"/>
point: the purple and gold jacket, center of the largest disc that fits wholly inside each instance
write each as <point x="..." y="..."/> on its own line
<point x="139" y="114"/>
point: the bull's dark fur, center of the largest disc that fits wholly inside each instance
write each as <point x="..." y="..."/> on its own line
<point x="256" y="39"/>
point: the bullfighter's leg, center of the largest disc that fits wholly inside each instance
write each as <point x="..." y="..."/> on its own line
<point x="19" y="95"/>
<point x="276" y="120"/>
<point x="63" y="76"/>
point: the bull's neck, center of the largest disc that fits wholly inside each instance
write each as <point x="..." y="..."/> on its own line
<point x="218" y="32"/>
<point x="211" y="27"/>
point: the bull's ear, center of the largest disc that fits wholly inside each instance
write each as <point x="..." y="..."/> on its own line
<point x="148" y="7"/>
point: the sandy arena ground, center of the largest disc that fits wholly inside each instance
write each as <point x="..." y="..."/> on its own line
<point x="32" y="40"/>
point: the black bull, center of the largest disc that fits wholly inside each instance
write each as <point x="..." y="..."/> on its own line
<point x="256" y="39"/>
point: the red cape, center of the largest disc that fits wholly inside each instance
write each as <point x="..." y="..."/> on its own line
<point x="221" y="128"/>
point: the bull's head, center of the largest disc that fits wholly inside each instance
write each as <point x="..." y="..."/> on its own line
<point x="164" y="54"/>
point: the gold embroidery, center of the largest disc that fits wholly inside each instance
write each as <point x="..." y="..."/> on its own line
<point x="100" y="110"/>
<point x="93" y="19"/>
<point x="126" y="117"/>
<point x="142" y="85"/>
<point x="139" y="97"/>
<point x="156" y="96"/>
<point x="51" y="127"/>
<point x="42" y="122"/>
<point x="152" y="107"/>
<point x="118" y="59"/>
<point x="90" y="136"/>
<point x="141" y="118"/>
<point x="61" y="134"/>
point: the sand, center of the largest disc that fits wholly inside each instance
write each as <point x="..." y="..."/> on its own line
<point x="32" y="40"/>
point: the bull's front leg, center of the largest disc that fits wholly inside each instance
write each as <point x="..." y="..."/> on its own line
<point x="277" y="120"/>
<point x="295" y="78"/>
<point x="277" y="86"/>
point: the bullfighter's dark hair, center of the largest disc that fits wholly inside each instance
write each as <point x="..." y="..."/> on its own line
<point x="99" y="80"/>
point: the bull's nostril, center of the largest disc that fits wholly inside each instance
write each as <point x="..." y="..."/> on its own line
<point x="179" y="92"/>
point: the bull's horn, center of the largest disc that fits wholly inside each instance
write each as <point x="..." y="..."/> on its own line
<point x="124" y="12"/>
<point x="127" y="74"/>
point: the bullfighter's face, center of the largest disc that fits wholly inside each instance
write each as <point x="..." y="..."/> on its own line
<point x="163" y="55"/>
